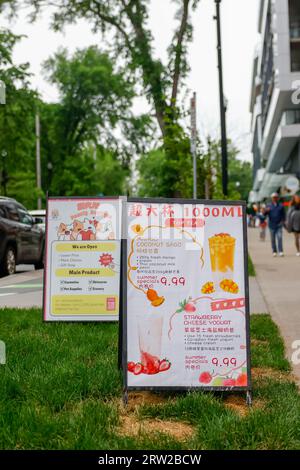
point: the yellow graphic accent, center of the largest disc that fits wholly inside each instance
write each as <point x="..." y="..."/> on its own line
<point x="208" y="288"/>
<point x="157" y="302"/>
<point x="82" y="272"/>
<point x="137" y="229"/>
<point x="228" y="285"/>
<point x="83" y="305"/>
<point x="76" y="246"/>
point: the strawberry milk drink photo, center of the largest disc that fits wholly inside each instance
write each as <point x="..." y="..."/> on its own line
<point x="150" y="327"/>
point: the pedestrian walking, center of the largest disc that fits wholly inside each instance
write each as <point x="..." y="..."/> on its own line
<point x="293" y="221"/>
<point x="262" y="217"/>
<point x="276" y="214"/>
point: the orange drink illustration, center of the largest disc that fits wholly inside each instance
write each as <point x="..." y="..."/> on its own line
<point x="154" y="298"/>
<point x="222" y="250"/>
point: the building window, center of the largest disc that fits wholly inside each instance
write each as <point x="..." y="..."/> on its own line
<point x="295" y="57"/>
<point x="294" y="19"/>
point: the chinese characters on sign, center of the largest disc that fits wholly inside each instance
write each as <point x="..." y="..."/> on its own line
<point x="186" y="306"/>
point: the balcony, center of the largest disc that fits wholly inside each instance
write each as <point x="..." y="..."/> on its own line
<point x="289" y="117"/>
<point x="284" y="141"/>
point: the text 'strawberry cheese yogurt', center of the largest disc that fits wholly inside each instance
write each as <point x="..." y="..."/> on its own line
<point x="222" y="250"/>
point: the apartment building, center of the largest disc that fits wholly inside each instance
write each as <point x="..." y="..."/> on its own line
<point x="275" y="100"/>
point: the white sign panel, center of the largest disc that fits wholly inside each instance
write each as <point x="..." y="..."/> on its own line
<point x="186" y="311"/>
<point x="82" y="272"/>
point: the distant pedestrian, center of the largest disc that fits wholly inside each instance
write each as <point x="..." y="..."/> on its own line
<point x="261" y="215"/>
<point x="293" y="221"/>
<point x="276" y="214"/>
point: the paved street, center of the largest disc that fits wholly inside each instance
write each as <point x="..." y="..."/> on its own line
<point x="278" y="279"/>
<point x="24" y="289"/>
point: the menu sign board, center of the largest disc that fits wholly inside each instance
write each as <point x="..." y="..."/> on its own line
<point x="82" y="272"/>
<point x="186" y="321"/>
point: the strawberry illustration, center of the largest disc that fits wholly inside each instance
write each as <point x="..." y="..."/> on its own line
<point x="242" y="380"/>
<point x="138" y="369"/>
<point x="130" y="366"/>
<point x="189" y="308"/>
<point x="186" y="306"/>
<point x="229" y="382"/>
<point x="205" y="378"/>
<point x="164" y="365"/>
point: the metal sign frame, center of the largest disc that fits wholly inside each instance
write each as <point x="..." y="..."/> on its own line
<point x="123" y="326"/>
<point x="67" y="198"/>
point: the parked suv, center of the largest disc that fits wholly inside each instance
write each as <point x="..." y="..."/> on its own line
<point x="21" y="238"/>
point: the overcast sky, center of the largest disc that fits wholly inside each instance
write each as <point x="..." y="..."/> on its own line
<point x="239" y="34"/>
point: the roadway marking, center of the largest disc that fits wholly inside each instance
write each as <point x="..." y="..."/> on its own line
<point x="21" y="286"/>
<point x="9" y="293"/>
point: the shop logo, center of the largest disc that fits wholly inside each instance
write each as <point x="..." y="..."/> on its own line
<point x="2" y="353"/>
<point x="55" y="214"/>
<point x="296" y="93"/>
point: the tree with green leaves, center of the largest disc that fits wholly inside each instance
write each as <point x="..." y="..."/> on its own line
<point x="95" y="99"/>
<point x="133" y="43"/>
<point x="151" y="165"/>
<point x="17" y="131"/>
<point x="239" y="171"/>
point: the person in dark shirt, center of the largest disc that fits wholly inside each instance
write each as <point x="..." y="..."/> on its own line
<point x="293" y="221"/>
<point x="276" y="214"/>
<point x="262" y="222"/>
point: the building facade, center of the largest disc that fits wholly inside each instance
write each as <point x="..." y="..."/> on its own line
<point x="275" y="100"/>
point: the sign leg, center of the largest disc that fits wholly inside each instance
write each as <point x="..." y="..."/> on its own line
<point x="125" y="396"/>
<point x="249" y="398"/>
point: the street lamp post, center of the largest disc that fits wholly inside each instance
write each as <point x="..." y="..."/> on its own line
<point x="4" y="175"/>
<point x="223" y="106"/>
<point x="49" y="174"/>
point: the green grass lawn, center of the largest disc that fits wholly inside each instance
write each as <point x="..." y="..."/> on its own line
<point x="251" y="268"/>
<point x="61" y="389"/>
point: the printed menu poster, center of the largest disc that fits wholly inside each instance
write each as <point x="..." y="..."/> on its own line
<point x="82" y="273"/>
<point x="186" y="315"/>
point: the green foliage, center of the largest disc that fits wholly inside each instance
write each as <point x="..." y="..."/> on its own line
<point x="22" y="186"/>
<point x="92" y="93"/>
<point x="93" y="172"/>
<point x="80" y="154"/>
<point x="251" y="268"/>
<point x="155" y="180"/>
<point x="95" y="99"/>
<point x="17" y="121"/>
<point x="151" y="167"/>
<point x="269" y="350"/>
<point x="239" y="172"/>
<point x="132" y="41"/>
<point x="94" y="110"/>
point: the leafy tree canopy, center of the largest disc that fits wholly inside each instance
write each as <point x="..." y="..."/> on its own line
<point x="127" y="20"/>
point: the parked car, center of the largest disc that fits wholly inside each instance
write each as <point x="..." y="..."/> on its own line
<point x="21" y="238"/>
<point x="40" y="217"/>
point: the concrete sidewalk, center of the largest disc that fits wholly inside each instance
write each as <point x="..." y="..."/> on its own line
<point x="257" y="301"/>
<point x="279" y="280"/>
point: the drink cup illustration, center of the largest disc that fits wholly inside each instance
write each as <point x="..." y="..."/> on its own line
<point x="222" y="251"/>
<point x="150" y="341"/>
